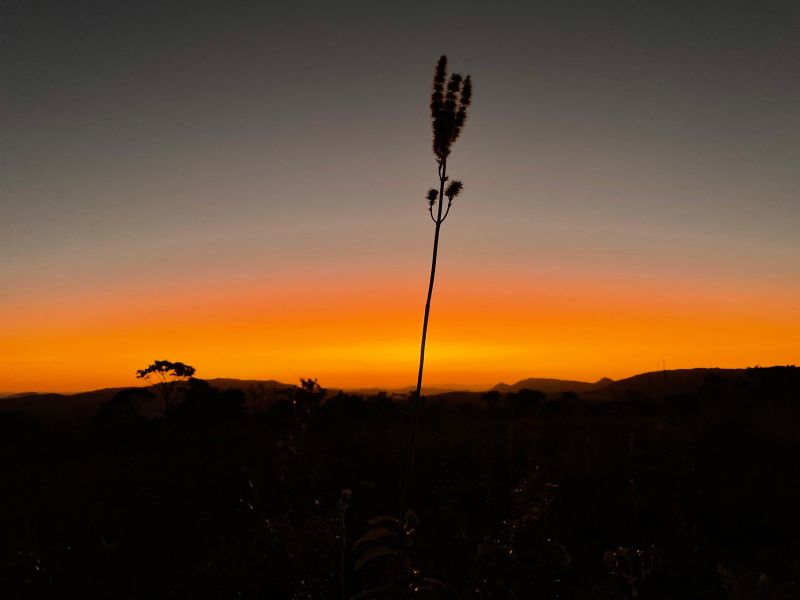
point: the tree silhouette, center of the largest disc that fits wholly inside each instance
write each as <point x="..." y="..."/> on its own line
<point x="449" y="105"/>
<point x="166" y="377"/>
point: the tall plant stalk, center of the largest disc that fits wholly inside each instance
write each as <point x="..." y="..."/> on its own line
<point x="448" y="113"/>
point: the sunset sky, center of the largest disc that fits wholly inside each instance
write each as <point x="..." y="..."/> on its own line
<point x="240" y="186"/>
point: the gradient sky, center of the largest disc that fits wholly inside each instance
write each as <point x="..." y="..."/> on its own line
<point x="240" y="186"/>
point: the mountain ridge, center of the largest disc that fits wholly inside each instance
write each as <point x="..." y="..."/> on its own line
<point x="81" y="406"/>
<point x="661" y="383"/>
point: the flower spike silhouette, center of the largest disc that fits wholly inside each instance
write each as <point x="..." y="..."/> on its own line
<point x="450" y="101"/>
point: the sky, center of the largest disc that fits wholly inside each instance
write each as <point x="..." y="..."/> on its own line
<point x="240" y="186"/>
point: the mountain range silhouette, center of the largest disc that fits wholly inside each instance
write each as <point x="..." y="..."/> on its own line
<point x="65" y="409"/>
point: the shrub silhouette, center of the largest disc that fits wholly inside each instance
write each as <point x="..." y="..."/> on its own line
<point x="491" y="398"/>
<point x="384" y="558"/>
<point x="123" y="409"/>
<point x="204" y="403"/>
<point x="307" y="397"/>
<point x="525" y="401"/>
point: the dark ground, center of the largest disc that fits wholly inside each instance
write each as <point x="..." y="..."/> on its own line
<point x="516" y="496"/>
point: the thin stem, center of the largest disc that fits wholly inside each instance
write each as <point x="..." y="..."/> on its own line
<point x="447" y="212"/>
<point x="416" y="399"/>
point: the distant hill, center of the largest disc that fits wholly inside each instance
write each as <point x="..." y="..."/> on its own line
<point x="662" y="383"/>
<point x="223" y="383"/>
<point x="426" y="391"/>
<point x="61" y="409"/>
<point x="550" y="386"/>
<point x="16" y="394"/>
<point x="654" y="383"/>
<point x="7" y="394"/>
<point x="73" y="409"/>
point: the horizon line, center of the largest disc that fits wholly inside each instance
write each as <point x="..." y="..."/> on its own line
<point x="450" y="387"/>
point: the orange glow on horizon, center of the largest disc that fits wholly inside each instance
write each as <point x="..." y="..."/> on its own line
<point x="351" y="334"/>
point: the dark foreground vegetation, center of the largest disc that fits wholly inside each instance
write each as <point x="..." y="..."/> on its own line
<point x="517" y="495"/>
